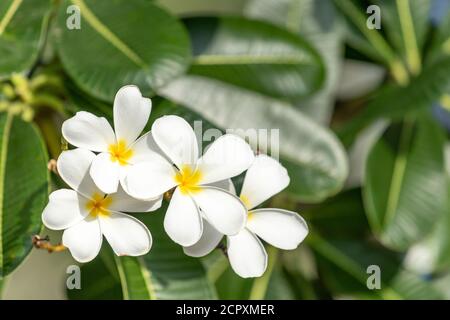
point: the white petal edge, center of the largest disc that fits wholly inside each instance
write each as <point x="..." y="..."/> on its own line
<point x="222" y="209"/>
<point x="225" y="158"/>
<point x="84" y="239"/>
<point x="247" y="255"/>
<point x="281" y="228"/>
<point x="123" y="202"/>
<point x="73" y="167"/>
<point x="148" y="180"/>
<point x="265" y="178"/>
<point x="85" y="130"/>
<point x="226" y="185"/>
<point x="126" y="235"/>
<point x="131" y="113"/>
<point x="182" y="221"/>
<point x="207" y="243"/>
<point x="65" y="208"/>
<point x="144" y="149"/>
<point x="105" y="173"/>
<point x="176" y="138"/>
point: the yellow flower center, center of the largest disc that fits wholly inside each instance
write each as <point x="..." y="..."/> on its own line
<point x="120" y="153"/>
<point x="98" y="206"/>
<point x="250" y="215"/>
<point x="245" y="200"/>
<point x="188" y="180"/>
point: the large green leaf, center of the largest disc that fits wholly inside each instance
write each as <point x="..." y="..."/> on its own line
<point x="315" y="159"/>
<point x="434" y="250"/>
<point x="342" y="216"/>
<point x="395" y="102"/>
<point x="100" y="279"/>
<point x="318" y="23"/>
<point x="405" y="187"/>
<point x="21" y="25"/>
<point x="164" y="273"/>
<point x="254" y="55"/>
<point x="343" y="269"/>
<point x="24" y="183"/>
<point x="122" y="42"/>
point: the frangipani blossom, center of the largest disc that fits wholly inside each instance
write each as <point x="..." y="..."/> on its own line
<point x="118" y="150"/>
<point x="281" y="228"/>
<point x="191" y="176"/>
<point x="86" y="214"/>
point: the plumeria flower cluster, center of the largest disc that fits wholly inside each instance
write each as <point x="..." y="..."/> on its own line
<point x="116" y="171"/>
<point x="86" y="214"/>
<point x="281" y="228"/>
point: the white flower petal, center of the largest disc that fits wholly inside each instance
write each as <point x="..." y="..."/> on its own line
<point x="222" y="209"/>
<point x="183" y="222"/>
<point x="281" y="228"/>
<point x="105" y="173"/>
<point x="226" y="185"/>
<point x="176" y="139"/>
<point x="207" y="243"/>
<point x="73" y="167"/>
<point x="144" y="149"/>
<point x="85" y="130"/>
<point x="148" y="180"/>
<point x="265" y="178"/>
<point x="84" y="239"/>
<point x="123" y="202"/>
<point x="227" y="157"/>
<point x="131" y="113"/>
<point x="247" y="255"/>
<point x="64" y="209"/>
<point x="127" y="235"/>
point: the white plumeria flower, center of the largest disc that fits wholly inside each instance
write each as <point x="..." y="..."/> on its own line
<point x="281" y="228"/>
<point x="86" y="213"/>
<point x="193" y="197"/>
<point x="118" y="150"/>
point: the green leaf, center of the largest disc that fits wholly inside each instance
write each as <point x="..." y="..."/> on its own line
<point x="395" y="102"/>
<point x="405" y="187"/>
<point x="230" y="286"/>
<point x="99" y="279"/>
<point x="318" y="23"/>
<point x="254" y="55"/>
<point x="406" y="23"/>
<point x="164" y="273"/>
<point x="437" y="244"/>
<point x="368" y="41"/>
<point x="340" y="217"/>
<point x="343" y="268"/>
<point x="317" y="169"/>
<point x="122" y="42"/>
<point x="440" y="45"/>
<point x="279" y="287"/>
<point x="21" y="28"/>
<point x="24" y="182"/>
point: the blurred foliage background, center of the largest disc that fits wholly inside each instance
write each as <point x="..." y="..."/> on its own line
<point x="363" y="115"/>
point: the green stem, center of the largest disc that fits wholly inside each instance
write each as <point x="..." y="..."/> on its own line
<point x="409" y="36"/>
<point x="341" y="260"/>
<point x="260" y="285"/>
<point x="396" y="66"/>
<point x="51" y="135"/>
<point x="398" y="173"/>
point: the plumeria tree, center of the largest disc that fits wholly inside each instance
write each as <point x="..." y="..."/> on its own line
<point x="280" y="149"/>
